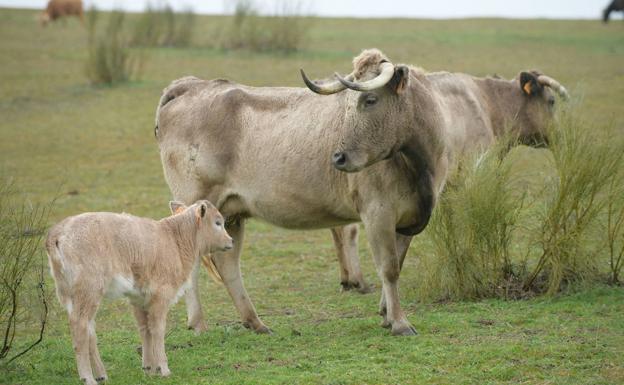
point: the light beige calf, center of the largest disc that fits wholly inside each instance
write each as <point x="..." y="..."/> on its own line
<point x="94" y="255"/>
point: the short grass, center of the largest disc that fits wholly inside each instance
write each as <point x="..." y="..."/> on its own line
<point x="93" y="149"/>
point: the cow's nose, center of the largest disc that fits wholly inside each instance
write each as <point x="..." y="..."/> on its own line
<point x="339" y="158"/>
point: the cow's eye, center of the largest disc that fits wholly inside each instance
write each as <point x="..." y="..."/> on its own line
<point x="551" y="101"/>
<point x="370" y="100"/>
<point x="218" y="223"/>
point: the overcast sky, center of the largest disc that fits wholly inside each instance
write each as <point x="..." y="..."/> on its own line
<point x="559" y="9"/>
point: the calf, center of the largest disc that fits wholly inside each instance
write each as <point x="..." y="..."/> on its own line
<point x="93" y="255"/>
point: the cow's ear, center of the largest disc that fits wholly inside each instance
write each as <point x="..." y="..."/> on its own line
<point x="176" y="207"/>
<point x="400" y="79"/>
<point x="529" y="84"/>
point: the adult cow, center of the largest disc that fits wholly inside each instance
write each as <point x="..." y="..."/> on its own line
<point x="279" y="154"/>
<point x="57" y="9"/>
<point x="615" y="5"/>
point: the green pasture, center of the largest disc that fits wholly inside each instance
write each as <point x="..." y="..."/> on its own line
<point x="93" y="149"/>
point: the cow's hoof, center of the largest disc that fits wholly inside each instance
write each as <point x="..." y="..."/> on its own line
<point x="360" y="287"/>
<point x="164" y="372"/>
<point x="198" y="327"/>
<point x="263" y="330"/>
<point x="385" y="324"/>
<point x="403" y="330"/>
<point x="364" y="288"/>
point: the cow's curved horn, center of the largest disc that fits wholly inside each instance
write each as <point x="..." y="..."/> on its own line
<point x="325" y="89"/>
<point x="387" y="71"/>
<point x="555" y="85"/>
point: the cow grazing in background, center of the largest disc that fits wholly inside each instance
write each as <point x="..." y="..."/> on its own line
<point x="57" y="9"/>
<point x="93" y="255"/>
<point x="616" y="5"/>
<point x="377" y="149"/>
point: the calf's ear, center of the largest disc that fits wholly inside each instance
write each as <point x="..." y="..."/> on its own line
<point x="529" y="84"/>
<point x="176" y="207"/>
<point x="400" y="79"/>
<point x="201" y="210"/>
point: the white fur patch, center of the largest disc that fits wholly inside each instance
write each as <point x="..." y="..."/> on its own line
<point x="91" y="327"/>
<point x="69" y="305"/>
<point x="185" y="286"/>
<point x="121" y="286"/>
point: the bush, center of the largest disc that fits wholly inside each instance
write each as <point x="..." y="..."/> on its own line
<point x="160" y="26"/>
<point x="23" y="298"/>
<point x="471" y="230"/>
<point x="284" y="31"/>
<point x="614" y="226"/>
<point x="109" y="60"/>
<point x="586" y="163"/>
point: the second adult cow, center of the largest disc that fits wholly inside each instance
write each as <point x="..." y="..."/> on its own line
<point x="279" y="154"/>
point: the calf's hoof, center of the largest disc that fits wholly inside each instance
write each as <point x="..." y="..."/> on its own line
<point x="403" y="330"/>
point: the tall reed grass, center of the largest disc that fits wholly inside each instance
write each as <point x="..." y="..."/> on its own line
<point x="109" y="60"/>
<point x="159" y="25"/>
<point x="286" y="30"/>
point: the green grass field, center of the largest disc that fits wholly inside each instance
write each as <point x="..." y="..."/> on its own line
<point x="93" y="150"/>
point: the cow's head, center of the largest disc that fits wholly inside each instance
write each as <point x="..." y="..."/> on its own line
<point x="378" y="110"/>
<point x="537" y="107"/>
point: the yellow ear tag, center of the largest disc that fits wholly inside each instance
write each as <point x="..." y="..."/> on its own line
<point x="527" y="88"/>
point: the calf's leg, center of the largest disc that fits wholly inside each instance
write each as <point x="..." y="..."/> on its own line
<point x="147" y="359"/>
<point x="156" y="323"/>
<point x="94" y="353"/>
<point x="194" y="312"/>
<point x="84" y="309"/>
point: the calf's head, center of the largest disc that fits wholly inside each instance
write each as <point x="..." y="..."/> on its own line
<point x="211" y="233"/>
<point x="537" y="107"/>
<point x="379" y="110"/>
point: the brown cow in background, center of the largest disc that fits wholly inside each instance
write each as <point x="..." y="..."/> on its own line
<point x="57" y="9"/>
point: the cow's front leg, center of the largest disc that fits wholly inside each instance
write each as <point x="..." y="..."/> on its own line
<point x="402" y="245"/>
<point x="228" y="266"/>
<point x="380" y="228"/>
<point x="346" y="243"/>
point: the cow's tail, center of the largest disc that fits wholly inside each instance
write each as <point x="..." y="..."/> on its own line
<point x="177" y="88"/>
<point x="212" y="269"/>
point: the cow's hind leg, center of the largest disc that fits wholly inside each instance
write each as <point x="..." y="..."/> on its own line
<point x="228" y="266"/>
<point x="346" y="243"/>
<point x="380" y="228"/>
